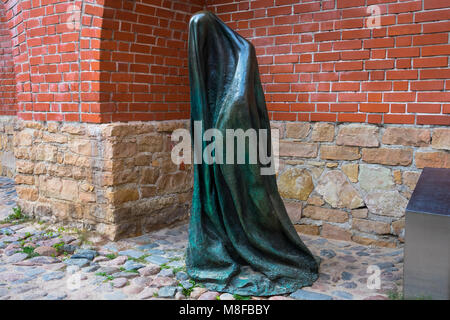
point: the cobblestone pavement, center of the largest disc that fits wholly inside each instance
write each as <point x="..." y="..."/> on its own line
<point x="8" y="197"/>
<point x="38" y="262"/>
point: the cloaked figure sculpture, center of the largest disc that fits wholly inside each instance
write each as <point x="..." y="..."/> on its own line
<point x="241" y="239"/>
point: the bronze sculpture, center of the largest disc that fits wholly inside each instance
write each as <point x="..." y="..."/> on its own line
<point x="240" y="237"/>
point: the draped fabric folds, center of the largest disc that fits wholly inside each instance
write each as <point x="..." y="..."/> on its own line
<point x="240" y="237"/>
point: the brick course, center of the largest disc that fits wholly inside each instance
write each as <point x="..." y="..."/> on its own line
<point x="341" y="70"/>
<point x="98" y="60"/>
<point x="319" y="60"/>
<point x="7" y="75"/>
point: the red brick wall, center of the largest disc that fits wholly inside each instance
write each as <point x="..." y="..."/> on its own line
<point x="320" y="61"/>
<point x="143" y="59"/>
<point x="46" y="59"/>
<point x="7" y="75"/>
<point x="122" y="60"/>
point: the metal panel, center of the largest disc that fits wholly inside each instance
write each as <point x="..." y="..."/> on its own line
<point x="432" y="192"/>
<point x="427" y="256"/>
<point x="427" y="237"/>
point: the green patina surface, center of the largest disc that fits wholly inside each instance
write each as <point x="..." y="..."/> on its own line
<point x="240" y="237"/>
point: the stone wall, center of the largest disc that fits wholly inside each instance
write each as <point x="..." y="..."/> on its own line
<point x="8" y="125"/>
<point x="353" y="181"/>
<point x="343" y="181"/>
<point x="117" y="179"/>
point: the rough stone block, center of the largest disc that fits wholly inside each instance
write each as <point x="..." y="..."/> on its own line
<point x="337" y="191"/>
<point x="334" y="232"/>
<point x="359" y="135"/>
<point x="149" y="175"/>
<point x="375" y="178"/>
<point x="351" y="171"/>
<point x="331" y="215"/>
<point x="339" y="153"/>
<point x="23" y="138"/>
<point x="75" y="129"/>
<point x="150" y="143"/>
<point x="369" y="241"/>
<point x="297" y="130"/>
<point x="298" y="149"/>
<point x="406" y="136"/>
<point x="441" y="139"/>
<point x="307" y="229"/>
<point x="323" y="132"/>
<point x="84" y="147"/>
<point x="369" y="226"/>
<point x="295" y="183"/>
<point x="122" y="195"/>
<point x="27" y="193"/>
<point x="391" y="157"/>
<point x="398" y="227"/>
<point x="410" y="179"/>
<point x="24" y="179"/>
<point x="397" y="176"/>
<point x="69" y="190"/>
<point x="294" y="210"/>
<point x="173" y="183"/>
<point x="315" y="200"/>
<point x="360" y="213"/>
<point x="44" y="152"/>
<point x="432" y="159"/>
<point x="386" y="203"/>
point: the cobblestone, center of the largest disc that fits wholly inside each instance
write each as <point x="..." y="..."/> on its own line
<point x="152" y="266"/>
